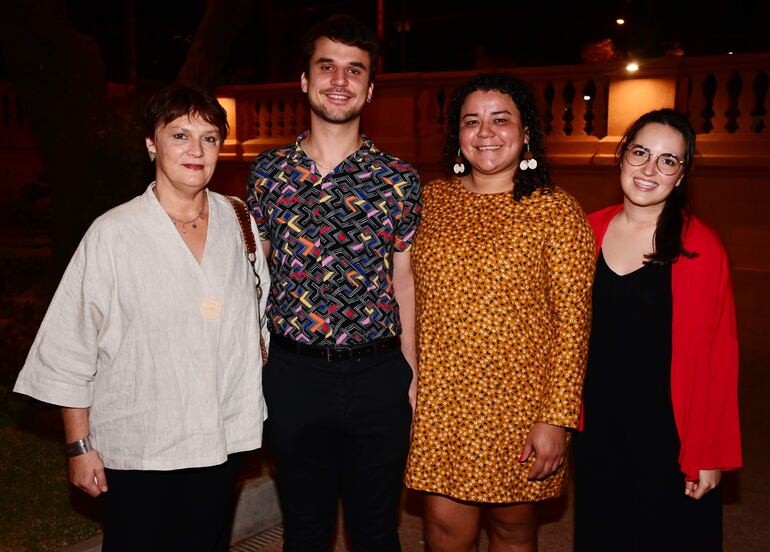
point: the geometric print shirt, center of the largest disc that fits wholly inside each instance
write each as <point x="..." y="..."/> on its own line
<point x="332" y="241"/>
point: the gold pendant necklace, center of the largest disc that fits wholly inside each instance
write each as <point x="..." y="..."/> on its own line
<point x="182" y="225"/>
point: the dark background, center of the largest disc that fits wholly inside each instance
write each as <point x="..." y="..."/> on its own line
<point x="60" y="55"/>
<point x="418" y="35"/>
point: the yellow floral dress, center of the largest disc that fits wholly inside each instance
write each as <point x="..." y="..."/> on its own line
<point x="503" y="317"/>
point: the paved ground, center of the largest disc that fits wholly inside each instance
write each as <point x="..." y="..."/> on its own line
<point x="745" y="527"/>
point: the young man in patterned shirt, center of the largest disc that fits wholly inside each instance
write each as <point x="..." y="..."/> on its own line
<point x="337" y="218"/>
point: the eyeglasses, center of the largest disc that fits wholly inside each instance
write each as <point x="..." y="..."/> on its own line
<point x="667" y="163"/>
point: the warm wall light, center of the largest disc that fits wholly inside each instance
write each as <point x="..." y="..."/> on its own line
<point x="620" y="21"/>
<point x="230" y="107"/>
<point x="632" y="67"/>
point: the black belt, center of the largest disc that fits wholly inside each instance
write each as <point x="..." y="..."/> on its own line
<point x="332" y="354"/>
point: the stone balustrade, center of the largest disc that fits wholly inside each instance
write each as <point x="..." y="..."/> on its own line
<point x="584" y="108"/>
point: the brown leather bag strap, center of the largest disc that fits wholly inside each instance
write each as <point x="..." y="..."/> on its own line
<point x="250" y="243"/>
<point x="242" y="214"/>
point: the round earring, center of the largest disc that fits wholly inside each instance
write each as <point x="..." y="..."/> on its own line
<point x="529" y="161"/>
<point x="459" y="167"/>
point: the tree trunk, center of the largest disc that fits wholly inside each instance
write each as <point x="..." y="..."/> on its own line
<point x="60" y="78"/>
<point x="91" y="146"/>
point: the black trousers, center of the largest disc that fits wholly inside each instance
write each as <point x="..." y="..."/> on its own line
<point x="187" y="510"/>
<point x="338" y="429"/>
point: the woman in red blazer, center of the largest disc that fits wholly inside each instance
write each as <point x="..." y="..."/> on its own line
<point x="660" y="398"/>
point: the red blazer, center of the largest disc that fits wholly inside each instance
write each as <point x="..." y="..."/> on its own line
<point x="704" y="350"/>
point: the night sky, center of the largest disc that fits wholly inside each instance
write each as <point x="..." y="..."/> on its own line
<point x="417" y="36"/>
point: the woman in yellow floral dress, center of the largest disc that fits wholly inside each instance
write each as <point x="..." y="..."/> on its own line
<point x="503" y="264"/>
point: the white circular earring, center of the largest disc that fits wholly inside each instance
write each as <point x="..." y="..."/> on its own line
<point x="529" y="161"/>
<point x="459" y="167"/>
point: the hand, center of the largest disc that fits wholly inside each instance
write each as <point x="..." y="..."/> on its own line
<point x="413" y="394"/>
<point x="707" y="480"/>
<point x="86" y="472"/>
<point x="549" y="443"/>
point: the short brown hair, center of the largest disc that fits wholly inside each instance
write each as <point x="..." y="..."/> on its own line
<point x="178" y="100"/>
<point x="344" y="29"/>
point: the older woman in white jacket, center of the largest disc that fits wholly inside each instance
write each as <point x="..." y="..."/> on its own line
<point x="151" y="345"/>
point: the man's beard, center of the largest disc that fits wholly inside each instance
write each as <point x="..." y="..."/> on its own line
<point x="340" y="117"/>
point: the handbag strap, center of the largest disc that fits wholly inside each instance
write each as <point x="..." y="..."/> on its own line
<point x="242" y="214"/>
<point x="250" y="245"/>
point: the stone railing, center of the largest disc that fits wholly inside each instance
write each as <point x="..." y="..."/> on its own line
<point x="584" y="107"/>
<point x="726" y="98"/>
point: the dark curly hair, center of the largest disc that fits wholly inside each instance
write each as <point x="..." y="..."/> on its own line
<point x="675" y="215"/>
<point x="525" y="182"/>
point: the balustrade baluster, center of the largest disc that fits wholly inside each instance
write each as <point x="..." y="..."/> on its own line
<point x="578" y="108"/>
<point x="759" y="113"/>
<point x="589" y="91"/>
<point x="291" y="119"/>
<point x="734" y="87"/>
<point x="258" y="118"/>
<point x="745" y="103"/>
<point x="302" y="116"/>
<point x="269" y="118"/>
<point x="682" y="101"/>
<point x="548" y="95"/>
<point x="281" y="124"/>
<point x="696" y="103"/>
<point x="709" y="89"/>
<point x="440" y="102"/>
<point x="568" y="95"/>
<point x="603" y="101"/>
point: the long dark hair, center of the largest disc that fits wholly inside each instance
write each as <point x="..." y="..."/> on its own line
<point x="525" y="182"/>
<point x="675" y="215"/>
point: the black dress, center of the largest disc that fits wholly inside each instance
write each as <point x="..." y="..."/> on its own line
<point x="629" y="489"/>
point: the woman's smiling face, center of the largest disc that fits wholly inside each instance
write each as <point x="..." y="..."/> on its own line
<point x="644" y="185"/>
<point x="187" y="150"/>
<point x="491" y="132"/>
